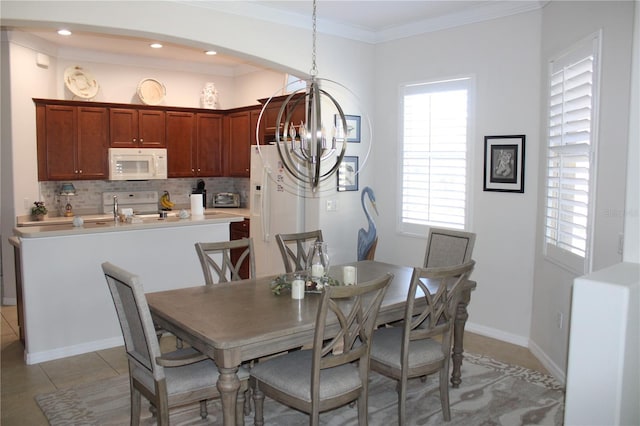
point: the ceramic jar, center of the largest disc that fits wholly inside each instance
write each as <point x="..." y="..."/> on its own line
<point x="209" y="96"/>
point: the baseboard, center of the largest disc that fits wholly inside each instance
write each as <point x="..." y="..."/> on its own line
<point x="494" y="333"/>
<point x="38" y="357"/>
<point x="514" y="339"/>
<point x="553" y="368"/>
<point x="9" y="301"/>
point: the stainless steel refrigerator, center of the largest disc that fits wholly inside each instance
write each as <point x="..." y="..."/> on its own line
<point x="277" y="206"/>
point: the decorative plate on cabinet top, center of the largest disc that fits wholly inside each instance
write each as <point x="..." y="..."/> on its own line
<point x="151" y="91"/>
<point x="80" y="82"/>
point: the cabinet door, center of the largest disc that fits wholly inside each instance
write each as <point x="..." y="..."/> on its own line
<point x="151" y="129"/>
<point x="208" y="154"/>
<point x="123" y="127"/>
<point x="238" y="231"/>
<point x="59" y="143"/>
<point x="254" y="115"/>
<point x="239" y="147"/>
<point x="180" y="144"/>
<point x="92" y="143"/>
<point x="133" y="128"/>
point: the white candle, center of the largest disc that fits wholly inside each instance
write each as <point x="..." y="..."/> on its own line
<point x="297" y="289"/>
<point x="349" y="274"/>
<point x="317" y="270"/>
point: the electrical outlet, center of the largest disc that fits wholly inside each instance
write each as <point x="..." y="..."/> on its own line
<point x="27" y="204"/>
<point x="332" y="205"/>
<point x="560" y="320"/>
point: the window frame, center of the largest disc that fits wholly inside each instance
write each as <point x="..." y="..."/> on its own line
<point x="564" y="258"/>
<point x="420" y="230"/>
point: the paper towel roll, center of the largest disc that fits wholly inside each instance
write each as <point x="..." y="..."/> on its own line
<point x="196" y="205"/>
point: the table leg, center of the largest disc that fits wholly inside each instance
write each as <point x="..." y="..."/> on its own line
<point x="228" y="385"/>
<point x="458" y="336"/>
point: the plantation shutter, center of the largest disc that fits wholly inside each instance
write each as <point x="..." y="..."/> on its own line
<point x="434" y="156"/>
<point x="569" y="156"/>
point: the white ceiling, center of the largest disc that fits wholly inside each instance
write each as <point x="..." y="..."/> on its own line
<point x="369" y="21"/>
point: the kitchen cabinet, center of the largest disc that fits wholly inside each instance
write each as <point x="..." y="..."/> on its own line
<point x="208" y="150"/>
<point x="238" y="144"/>
<point x="72" y="142"/>
<point x="238" y="231"/>
<point x="194" y="144"/>
<point x="137" y="128"/>
<point x="268" y="124"/>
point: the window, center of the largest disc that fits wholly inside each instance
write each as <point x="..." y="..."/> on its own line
<point x="573" y="86"/>
<point x="434" y="155"/>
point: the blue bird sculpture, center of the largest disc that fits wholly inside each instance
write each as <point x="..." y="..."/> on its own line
<point x="368" y="239"/>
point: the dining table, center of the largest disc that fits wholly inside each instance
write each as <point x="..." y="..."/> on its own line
<point x="245" y="320"/>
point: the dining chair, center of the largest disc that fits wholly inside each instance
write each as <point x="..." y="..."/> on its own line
<point x="335" y="371"/>
<point x="421" y="344"/>
<point x="293" y="248"/>
<point x="448" y="247"/>
<point x="168" y="380"/>
<point x="222" y="261"/>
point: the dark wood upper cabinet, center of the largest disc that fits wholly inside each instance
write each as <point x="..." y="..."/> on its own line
<point x="137" y="128"/>
<point x="72" y="142"/>
<point x="194" y="144"/>
<point x="295" y="108"/>
<point x="208" y="152"/>
<point x="238" y="139"/>
<point x="181" y="136"/>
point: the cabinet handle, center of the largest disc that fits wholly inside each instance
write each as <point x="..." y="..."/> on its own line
<point x="80" y="171"/>
<point x="141" y="140"/>
<point x="135" y="140"/>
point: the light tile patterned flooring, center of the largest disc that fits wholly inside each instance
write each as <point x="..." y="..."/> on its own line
<point x="20" y="383"/>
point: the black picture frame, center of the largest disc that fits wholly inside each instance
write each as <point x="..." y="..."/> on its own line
<point x="348" y="174"/>
<point x="353" y="127"/>
<point x="504" y="163"/>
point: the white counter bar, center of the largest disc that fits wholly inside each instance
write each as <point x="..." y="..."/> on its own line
<point x="66" y="303"/>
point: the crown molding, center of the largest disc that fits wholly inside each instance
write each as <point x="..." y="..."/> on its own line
<point x="483" y="11"/>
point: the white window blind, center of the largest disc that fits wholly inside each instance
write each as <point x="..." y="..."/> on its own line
<point x="572" y="86"/>
<point x="434" y="155"/>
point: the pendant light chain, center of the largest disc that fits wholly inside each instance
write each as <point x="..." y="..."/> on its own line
<point x="314" y="68"/>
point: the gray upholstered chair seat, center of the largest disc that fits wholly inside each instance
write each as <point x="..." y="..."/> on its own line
<point x="199" y="375"/>
<point x="387" y="346"/>
<point x="291" y="373"/>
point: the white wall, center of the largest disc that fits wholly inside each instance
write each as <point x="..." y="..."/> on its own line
<point x="553" y="284"/>
<point x="502" y="56"/>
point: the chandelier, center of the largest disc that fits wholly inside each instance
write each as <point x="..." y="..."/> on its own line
<point x="311" y="151"/>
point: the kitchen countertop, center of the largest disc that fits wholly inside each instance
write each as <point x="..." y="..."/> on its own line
<point x="61" y="226"/>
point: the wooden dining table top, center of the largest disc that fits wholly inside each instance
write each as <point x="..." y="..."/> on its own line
<point x="243" y="320"/>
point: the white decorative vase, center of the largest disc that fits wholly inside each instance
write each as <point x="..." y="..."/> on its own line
<point x="209" y="96"/>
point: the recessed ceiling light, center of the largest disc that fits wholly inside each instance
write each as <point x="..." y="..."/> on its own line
<point x="64" y="32"/>
<point x="210" y="52"/>
<point x="156" y="45"/>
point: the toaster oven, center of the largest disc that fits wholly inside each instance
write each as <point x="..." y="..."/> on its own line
<point x="226" y="199"/>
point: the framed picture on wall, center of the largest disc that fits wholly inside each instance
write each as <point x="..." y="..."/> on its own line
<point x="504" y="163"/>
<point x="353" y="127"/>
<point x="348" y="174"/>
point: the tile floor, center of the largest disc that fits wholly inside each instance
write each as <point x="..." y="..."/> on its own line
<point x="20" y="383"/>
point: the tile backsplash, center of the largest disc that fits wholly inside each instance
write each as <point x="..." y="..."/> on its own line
<point x="88" y="198"/>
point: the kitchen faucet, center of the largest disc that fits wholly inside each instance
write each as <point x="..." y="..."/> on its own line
<point x="115" y="208"/>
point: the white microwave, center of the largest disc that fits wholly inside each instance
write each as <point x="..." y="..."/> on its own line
<point x="137" y="163"/>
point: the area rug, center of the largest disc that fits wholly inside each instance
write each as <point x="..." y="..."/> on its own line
<point x="491" y="393"/>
